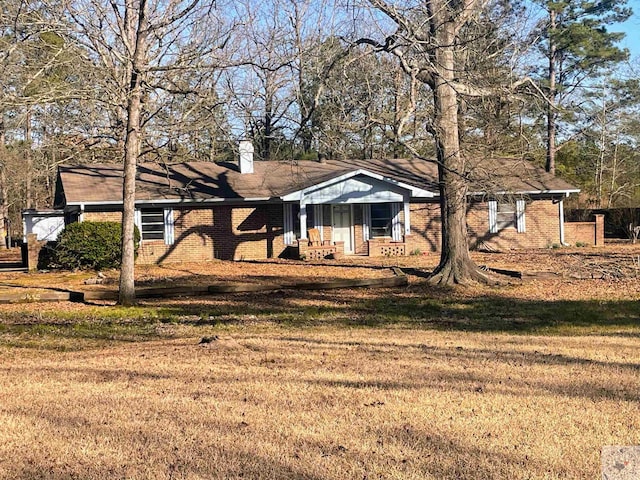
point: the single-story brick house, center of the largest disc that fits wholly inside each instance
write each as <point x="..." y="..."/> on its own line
<point x="251" y="210"/>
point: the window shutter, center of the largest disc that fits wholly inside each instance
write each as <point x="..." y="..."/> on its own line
<point x="318" y="220"/>
<point x="168" y="226"/>
<point x="137" y="219"/>
<point x="493" y="216"/>
<point x="520" y="208"/>
<point x="288" y="223"/>
<point x="366" y="221"/>
<point x="396" y="231"/>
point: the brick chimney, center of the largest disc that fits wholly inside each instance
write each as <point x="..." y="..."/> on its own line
<point x="246" y="156"/>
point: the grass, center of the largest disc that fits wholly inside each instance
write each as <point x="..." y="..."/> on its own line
<point x="490" y="310"/>
<point x="524" y="381"/>
<point x="270" y="401"/>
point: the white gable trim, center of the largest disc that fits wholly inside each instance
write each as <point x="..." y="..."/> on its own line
<point x="299" y="194"/>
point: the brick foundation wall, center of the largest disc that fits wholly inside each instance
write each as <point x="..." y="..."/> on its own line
<point x="542" y="227"/>
<point x="34" y="246"/>
<point x="590" y="233"/>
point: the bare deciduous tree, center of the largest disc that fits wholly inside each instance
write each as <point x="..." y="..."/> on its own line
<point x="429" y="43"/>
<point x="137" y="43"/>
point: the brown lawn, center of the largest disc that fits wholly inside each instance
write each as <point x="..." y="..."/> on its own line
<point x="527" y="380"/>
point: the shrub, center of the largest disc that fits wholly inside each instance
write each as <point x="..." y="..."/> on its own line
<point x="86" y="245"/>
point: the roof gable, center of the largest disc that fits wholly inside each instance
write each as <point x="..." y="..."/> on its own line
<point x="358" y="186"/>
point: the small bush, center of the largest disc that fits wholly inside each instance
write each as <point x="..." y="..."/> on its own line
<point x="47" y="256"/>
<point x="87" y="245"/>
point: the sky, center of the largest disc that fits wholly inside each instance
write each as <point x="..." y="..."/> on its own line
<point x="632" y="28"/>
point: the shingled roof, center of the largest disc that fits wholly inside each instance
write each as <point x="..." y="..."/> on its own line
<point x="206" y="181"/>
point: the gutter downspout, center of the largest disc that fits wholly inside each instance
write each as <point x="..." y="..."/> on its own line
<point x="561" y="217"/>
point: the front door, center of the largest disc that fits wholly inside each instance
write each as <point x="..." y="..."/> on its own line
<point x="342" y="226"/>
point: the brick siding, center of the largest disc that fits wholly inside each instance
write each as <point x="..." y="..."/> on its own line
<point x="361" y="247"/>
<point x="425" y="228"/>
<point x="542" y="227"/>
<point x="238" y="232"/>
<point x="102" y="216"/>
<point x="221" y="232"/>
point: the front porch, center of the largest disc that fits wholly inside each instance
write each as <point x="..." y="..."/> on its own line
<point x="359" y="213"/>
<point x="376" y="247"/>
<point x="335" y="230"/>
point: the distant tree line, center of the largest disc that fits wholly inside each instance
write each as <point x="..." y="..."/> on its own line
<point x="180" y="80"/>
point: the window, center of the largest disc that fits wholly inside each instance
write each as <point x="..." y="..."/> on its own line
<point x="381" y="219"/>
<point x="156" y="224"/>
<point x="507" y="214"/>
<point x="152" y="223"/>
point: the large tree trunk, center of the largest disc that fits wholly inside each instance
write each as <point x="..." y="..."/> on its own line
<point x="456" y="265"/>
<point x="28" y="155"/>
<point x="127" y="294"/>
<point x="4" y="209"/>
<point x="551" y="101"/>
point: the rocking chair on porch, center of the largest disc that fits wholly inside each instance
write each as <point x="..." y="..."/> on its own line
<point x="314" y="248"/>
<point x="314" y="238"/>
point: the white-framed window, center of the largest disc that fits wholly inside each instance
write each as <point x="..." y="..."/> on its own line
<point x="507" y="213"/>
<point x="155" y="224"/>
<point x="380" y="221"/>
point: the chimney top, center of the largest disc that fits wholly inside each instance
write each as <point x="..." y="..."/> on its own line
<point x="246" y="156"/>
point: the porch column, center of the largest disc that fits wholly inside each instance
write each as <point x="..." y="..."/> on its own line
<point x="407" y="217"/>
<point x="303" y="220"/>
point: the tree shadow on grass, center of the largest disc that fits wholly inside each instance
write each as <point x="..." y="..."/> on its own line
<point x="440" y="311"/>
<point x="428" y="309"/>
<point x="510" y="382"/>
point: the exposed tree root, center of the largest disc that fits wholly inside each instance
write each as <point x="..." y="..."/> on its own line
<point x="450" y="273"/>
